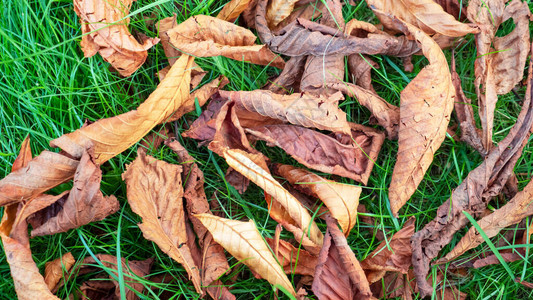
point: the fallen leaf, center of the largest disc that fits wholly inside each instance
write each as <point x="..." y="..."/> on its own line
<point x="163" y="26"/>
<point x="341" y="199"/>
<point x="309" y="38"/>
<point x="278" y="10"/>
<point x="244" y="165"/>
<point x="518" y="208"/>
<point x="481" y="185"/>
<point x="205" y="36"/>
<point x="231" y="11"/>
<point x="56" y="269"/>
<point x="426" y="104"/>
<point x="293" y="260"/>
<point x="105" y="30"/>
<point x="203" y="128"/>
<point x="338" y="274"/>
<point x="154" y="193"/>
<point x="424" y="14"/>
<point x="302" y="10"/>
<point x="453" y="7"/>
<point x="97" y="289"/>
<point x="113" y="135"/>
<point x="352" y="157"/>
<point x="300" y="109"/>
<point x="290" y="77"/>
<point x="393" y="255"/>
<point x="360" y="67"/>
<point x="244" y="242"/>
<point x="524" y="283"/>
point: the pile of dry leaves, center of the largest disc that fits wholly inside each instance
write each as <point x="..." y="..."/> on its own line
<point x="298" y="112"/>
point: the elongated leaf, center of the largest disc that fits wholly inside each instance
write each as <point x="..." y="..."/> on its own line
<point x="205" y="36"/>
<point x="264" y="180"/>
<point x="113" y="135"/>
<point x="245" y="243"/>
<point x="424" y="14"/>
<point x="105" y="32"/>
<point x="425" y="109"/>
<point x="155" y="193"/>
<point x="341" y="199"/>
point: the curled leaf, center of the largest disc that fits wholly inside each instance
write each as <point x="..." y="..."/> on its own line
<point x="294" y="260"/>
<point x="56" y="269"/>
<point x="105" y="31"/>
<point x="278" y="10"/>
<point x="245" y="243"/>
<point x="233" y="9"/>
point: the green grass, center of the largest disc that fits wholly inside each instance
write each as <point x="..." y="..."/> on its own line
<point x="47" y="88"/>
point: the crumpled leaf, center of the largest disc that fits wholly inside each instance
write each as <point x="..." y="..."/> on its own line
<point x="424" y="14"/>
<point x="341" y="199"/>
<point x="481" y="184"/>
<point x="130" y="269"/>
<point x="155" y="193"/>
<point x="360" y="67"/>
<point x="300" y="108"/>
<point x="54" y="270"/>
<point x="205" y="36"/>
<point x="172" y="54"/>
<point x="304" y="37"/>
<point x="453" y="7"/>
<point x="244" y="165"/>
<point x="338" y="274"/>
<point x="294" y="260"/>
<point x="500" y="68"/>
<point x="84" y="204"/>
<point x="214" y="263"/>
<point x="278" y="10"/>
<point x="113" y="135"/>
<point x="393" y="255"/>
<point x="231" y="11"/>
<point x="244" y="242"/>
<point x="349" y="156"/>
<point x="290" y="77"/>
<point x="105" y="31"/>
<point x="518" y="208"/>
<point x="426" y="104"/>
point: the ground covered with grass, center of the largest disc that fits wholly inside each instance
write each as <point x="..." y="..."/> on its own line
<point x="47" y="88"/>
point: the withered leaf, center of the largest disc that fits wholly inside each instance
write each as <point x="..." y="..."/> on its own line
<point x="425" y="107"/>
<point x="299" y="108"/>
<point x="294" y="260"/>
<point x="244" y="165"/>
<point x="518" y="208"/>
<point x="105" y="31"/>
<point x="155" y="193"/>
<point x="338" y="274"/>
<point x="233" y="9"/>
<point x="289" y="78"/>
<point x="309" y="38"/>
<point x="393" y="255"/>
<point x="84" y="204"/>
<point x="205" y="36"/>
<point x="113" y="135"/>
<point x="244" y="242"/>
<point x="453" y="7"/>
<point x="56" y="269"/>
<point x="278" y="10"/>
<point x="481" y="184"/>
<point x="341" y="199"/>
<point x="424" y="14"/>
<point x="172" y="54"/>
<point x="360" y="67"/>
<point x="350" y="156"/>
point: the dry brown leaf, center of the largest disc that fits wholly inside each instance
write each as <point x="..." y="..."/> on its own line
<point x="205" y="36"/>
<point x="480" y="186"/>
<point x="278" y="10"/>
<point x="113" y="135"/>
<point x="338" y="274"/>
<point x="231" y="11"/>
<point x="84" y="204"/>
<point x="239" y="161"/>
<point x="304" y="37"/>
<point x="360" y="67"/>
<point x="393" y="255"/>
<point x="341" y="199"/>
<point x="105" y="30"/>
<point x="289" y="78"/>
<point x="518" y="208"/>
<point x="386" y="114"/>
<point x="348" y="156"/>
<point x="244" y="242"/>
<point x="424" y="14"/>
<point x="453" y="7"/>
<point x="172" y="54"/>
<point x="294" y="260"/>
<point x="302" y="10"/>
<point x="426" y="104"/>
<point x="299" y="109"/>
<point x="155" y="193"/>
<point x="56" y="269"/>
<point x="203" y="128"/>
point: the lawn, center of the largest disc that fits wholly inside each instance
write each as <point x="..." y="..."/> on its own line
<point x="48" y="88"/>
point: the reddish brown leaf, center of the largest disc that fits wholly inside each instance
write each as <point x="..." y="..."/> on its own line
<point x="56" y="269"/>
<point x="338" y="274"/>
<point x="360" y="67"/>
<point x="289" y="78"/>
<point x="105" y="31"/>
<point x="293" y="260"/>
